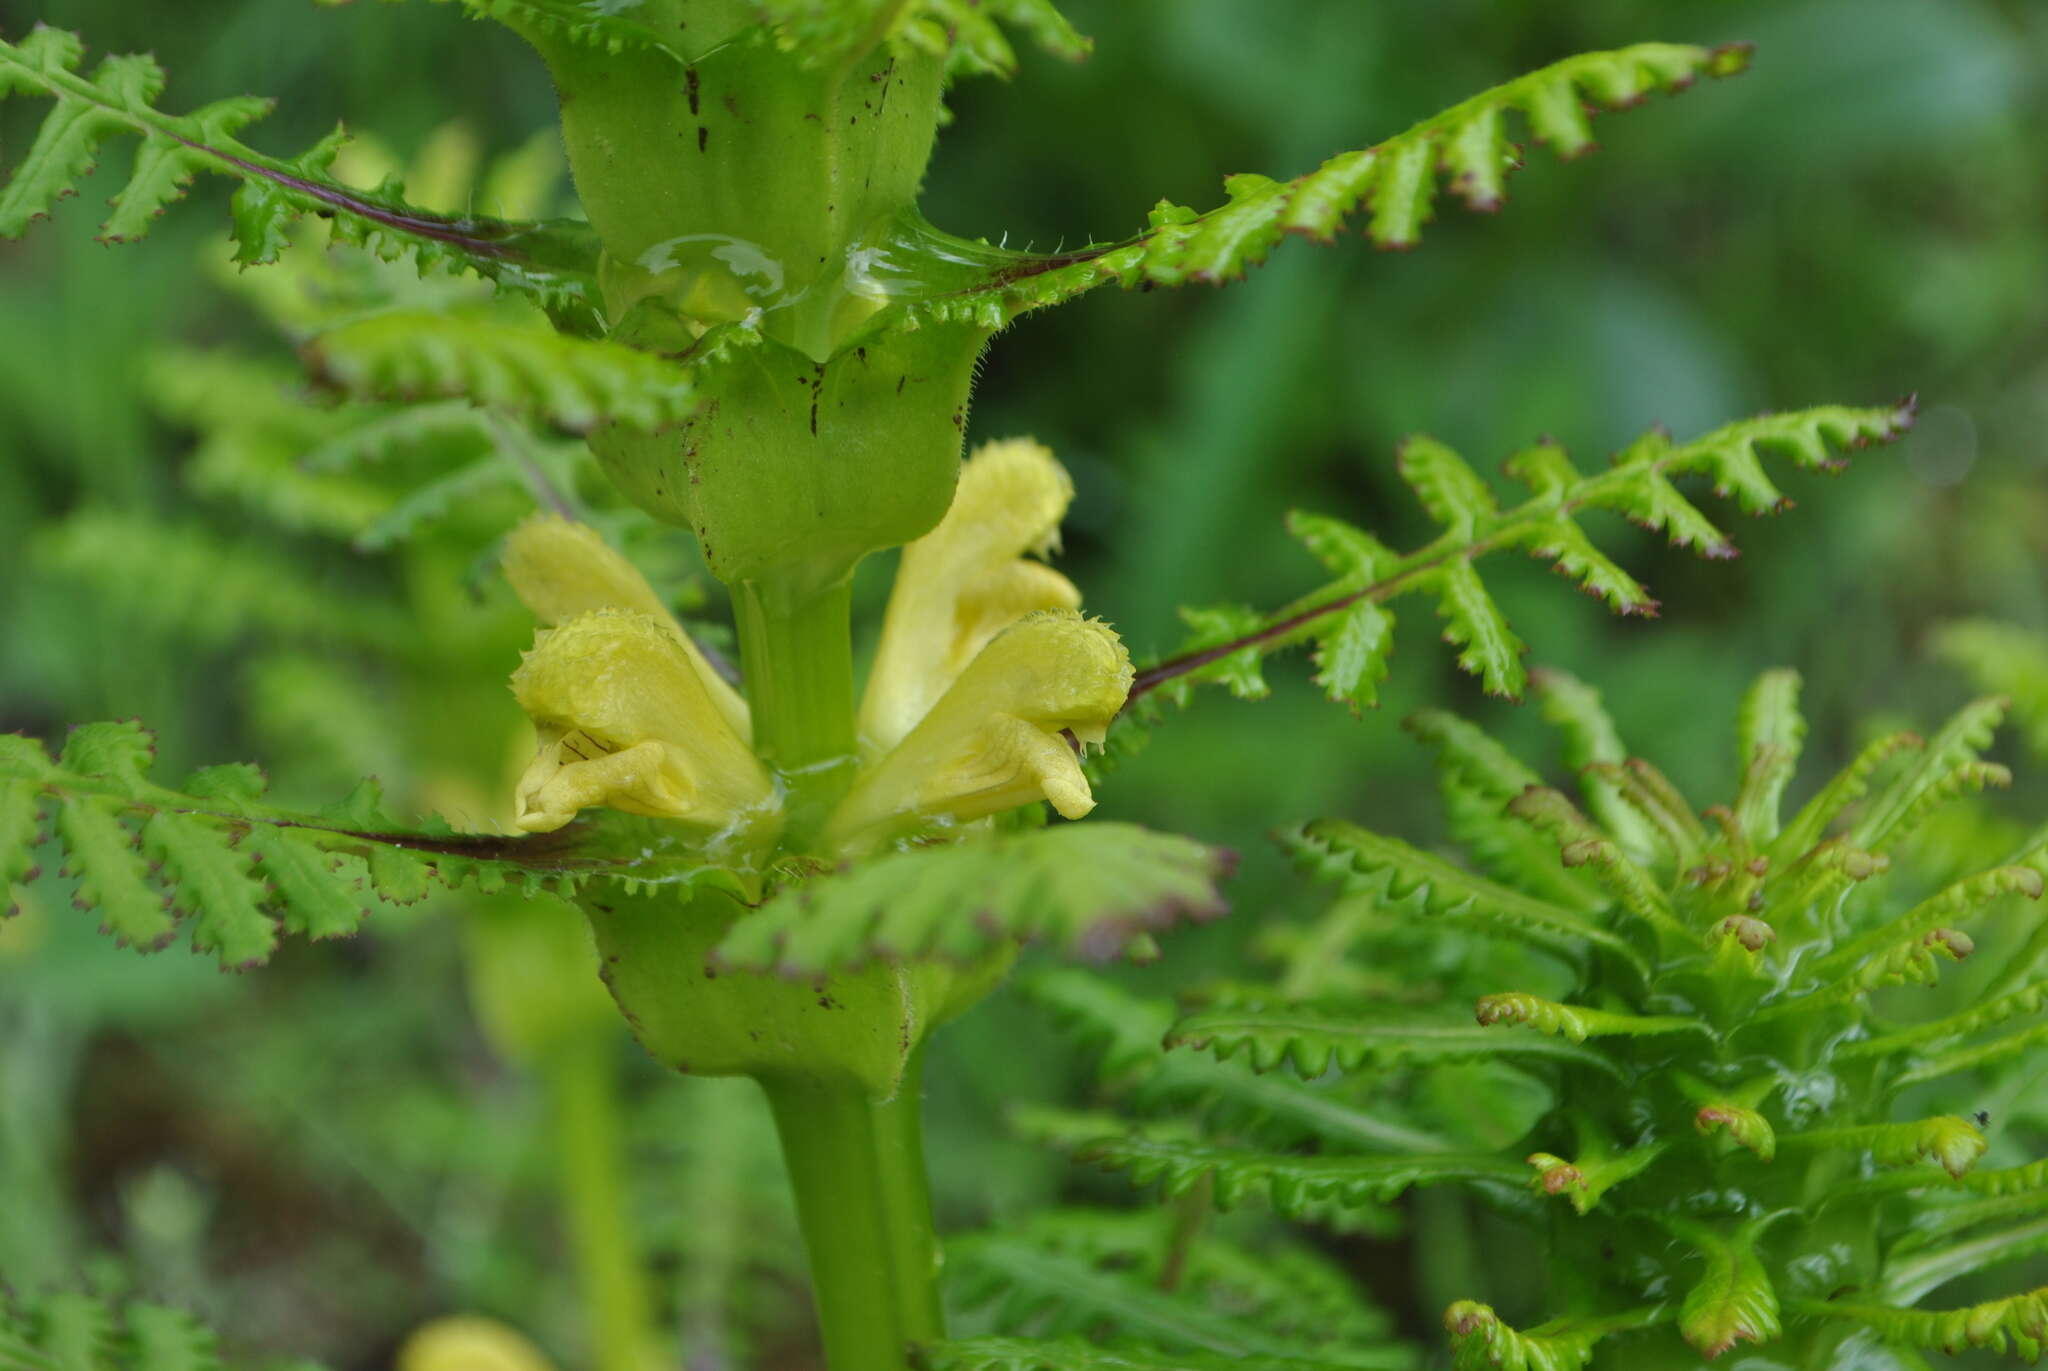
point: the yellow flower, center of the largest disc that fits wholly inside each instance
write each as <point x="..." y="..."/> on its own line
<point x="987" y="683"/>
<point x="987" y="689"/>
<point x="966" y="581"/>
<point x="561" y="569"/>
<point x="1009" y="731"/>
<point x="626" y="719"/>
<point x="630" y="713"/>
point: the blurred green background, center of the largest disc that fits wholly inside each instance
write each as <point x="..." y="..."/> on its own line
<point x="327" y="1153"/>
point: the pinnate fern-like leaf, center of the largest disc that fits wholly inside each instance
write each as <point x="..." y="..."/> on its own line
<point x="1592" y="744"/>
<point x="1953" y="904"/>
<point x="969" y="34"/>
<point x="2008" y="661"/>
<point x="573" y="383"/>
<point x="1126" y="1033"/>
<point x="1296" y="1185"/>
<point x="612" y="28"/>
<point x="1072" y="1354"/>
<point x="2030" y="998"/>
<point x="1769" y="734"/>
<point x="1405" y="878"/>
<point x="2017" y="1324"/>
<point x="1842" y="790"/>
<point x="1977" y="1055"/>
<point x="1091" y="890"/>
<point x="1395" y="182"/>
<point x="1228" y="644"/>
<point x="1479" y="778"/>
<point x="551" y="264"/>
<point x="1954" y="1143"/>
<point x="210" y="591"/>
<point x="215" y="858"/>
<point x="1103" y="1274"/>
<point x="1123" y="1030"/>
<point x="1481" y="1342"/>
<point x="72" y="1331"/>
<point x="1582" y="843"/>
<point x="1947" y="765"/>
<point x="1311" y="1041"/>
<point x="1577" y="1022"/>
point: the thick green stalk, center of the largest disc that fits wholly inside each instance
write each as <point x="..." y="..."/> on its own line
<point x="796" y="654"/>
<point x="855" y="1163"/>
<point x="857" y="1167"/>
<point x="582" y="1099"/>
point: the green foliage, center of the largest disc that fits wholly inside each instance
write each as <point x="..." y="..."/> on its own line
<point x="1134" y="1286"/>
<point x="1073" y="1354"/>
<point x="1953" y="1142"/>
<point x="1641" y="923"/>
<point x="968" y="33"/>
<point x="1091" y="890"/>
<point x="551" y="264"/>
<point x="1733" y="1301"/>
<point x="1577" y="1022"/>
<point x="1484" y="1343"/>
<point x="1752" y="948"/>
<point x="1126" y="1032"/>
<point x="1310" y="1041"/>
<point x="1297" y="1186"/>
<point x="1396" y="181"/>
<point x="573" y="383"/>
<point x="2004" y="659"/>
<point x="214" y="856"/>
<point x="1347" y="620"/>
<point x="2016" y="1324"/>
<point x="78" y="1332"/>
<point x="1398" y="876"/>
<point x="185" y="582"/>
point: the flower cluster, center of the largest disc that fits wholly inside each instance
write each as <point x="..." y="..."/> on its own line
<point x="987" y="687"/>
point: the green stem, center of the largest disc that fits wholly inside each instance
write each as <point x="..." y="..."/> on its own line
<point x="857" y="1167"/>
<point x="1190" y="1215"/>
<point x="583" y="1101"/>
<point x="796" y="655"/>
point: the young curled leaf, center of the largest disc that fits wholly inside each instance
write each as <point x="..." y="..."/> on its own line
<point x="1576" y="1022"/>
<point x="1954" y="1143"/>
<point x="1481" y="1342"/>
<point x="2017" y="1323"/>
<point x="1734" y="1300"/>
<point x="1743" y="1126"/>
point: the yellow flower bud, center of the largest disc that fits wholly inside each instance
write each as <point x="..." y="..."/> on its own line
<point x="1008" y="732"/>
<point x="626" y="718"/>
<point x="966" y="581"/>
<point x="561" y="569"/>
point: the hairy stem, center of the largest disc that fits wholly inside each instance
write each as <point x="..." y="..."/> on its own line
<point x="582" y="1098"/>
<point x="857" y="1167"/>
